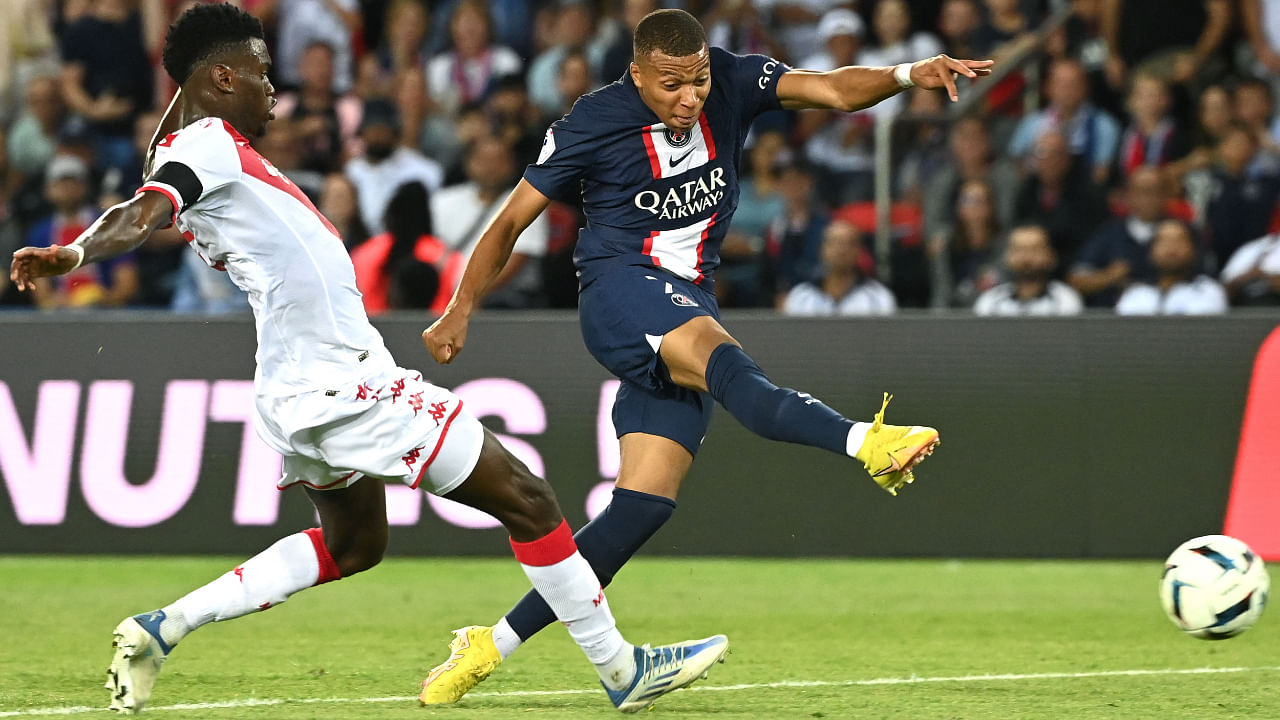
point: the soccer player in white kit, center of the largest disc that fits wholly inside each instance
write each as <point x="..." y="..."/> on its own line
<point x="329" y="396"/>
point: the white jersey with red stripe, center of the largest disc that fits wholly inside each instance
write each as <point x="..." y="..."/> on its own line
<point x="243" y="216"/>
<point x="652" y="195"/>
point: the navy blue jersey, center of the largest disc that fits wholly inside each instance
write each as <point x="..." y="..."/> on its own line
<point x="654" y="196"/>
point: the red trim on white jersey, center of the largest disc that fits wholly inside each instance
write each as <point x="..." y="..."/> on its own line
<point x="679" y="251"/>
<point x="256" y="166"/>
<point x="166" y="190"/>
<point x="444" y="431"/>
<point x="706" y="134"/>
<point x="654" y="164"/>
<point x="648" y="248"/>
<point x="702" y="241"/>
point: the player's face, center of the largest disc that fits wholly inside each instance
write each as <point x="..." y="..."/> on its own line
<point x="674" y="88"/>
<point x="255" y="95"/>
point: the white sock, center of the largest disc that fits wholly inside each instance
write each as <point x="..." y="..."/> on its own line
<point x="567" y="583"/>
<point x="505" y="638"/>
<point x="857" y="435"/>
<point x="265" y="580"/>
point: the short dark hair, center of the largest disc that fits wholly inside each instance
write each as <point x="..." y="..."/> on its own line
<point x="673" y="32"/>
<point x="204" y="31"/>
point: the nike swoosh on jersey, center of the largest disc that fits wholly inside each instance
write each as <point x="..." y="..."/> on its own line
<point x="677" y="160"/>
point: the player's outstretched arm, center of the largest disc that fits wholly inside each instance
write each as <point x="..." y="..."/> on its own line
<point x="120" y="229"/>
<point x="854" y="88"/>
<point x="445" y="338"/>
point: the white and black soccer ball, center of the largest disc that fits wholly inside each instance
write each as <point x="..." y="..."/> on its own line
<point x="1214" y="587"/>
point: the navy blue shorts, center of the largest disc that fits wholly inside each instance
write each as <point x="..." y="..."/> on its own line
<point x="624" y="312"/>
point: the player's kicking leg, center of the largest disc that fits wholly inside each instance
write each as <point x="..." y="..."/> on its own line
<point x="353" y="539"/>
<point x="702" y="356"/>
<point x="632" y="676"/>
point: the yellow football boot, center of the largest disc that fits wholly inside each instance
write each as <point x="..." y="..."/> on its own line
<point x="891" y="452"/>
<point x="472" y="657"/>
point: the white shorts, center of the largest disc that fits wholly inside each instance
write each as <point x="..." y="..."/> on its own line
<point x="394" y="427"/>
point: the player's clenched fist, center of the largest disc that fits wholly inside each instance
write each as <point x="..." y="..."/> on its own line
<point x="445" y="338"/>
<point x="32" y="262"/>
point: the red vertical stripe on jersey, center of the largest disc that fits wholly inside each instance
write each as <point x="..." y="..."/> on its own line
<point x="257" y="166"/>
<point x="706" y="135"/>
<point x="654" y="163"/>
<point x="697" y="264"/>
<point x="648" y="248"/>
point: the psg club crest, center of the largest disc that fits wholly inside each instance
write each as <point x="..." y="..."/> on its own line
<point x="682" y="300"/>
<point x="676" y="138"/>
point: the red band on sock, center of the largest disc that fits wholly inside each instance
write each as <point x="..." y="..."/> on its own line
<point x="550" y="549"/>
<point x="328" y="568"/>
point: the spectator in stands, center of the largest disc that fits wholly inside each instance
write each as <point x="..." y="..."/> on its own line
<point x="385" y="165"/>
<point x="10" y="234"/>
<point x="842" y="288"/>
<point x="1153" y="138"/>
<point x="575" y="80"/>
<point x="1007" y="26"/>
<point x="1060" y="195"/>
<point x="574" y="30"/>
<point x="403" y="48"/>
<point x="840" y="31"/>
<point x="617" y="56"/>
<point x="108" y="284"/>
<point x="967" y="263"/>
<point x="970" y="158"/>
<point x="339" y="203"/>
<point x="1119" y="254"/>
<point x="891" y="20"/>
<point x="324" y="121"/>
<point x="107" y="77"/>
<point x="1240" y="205"/>
<point x="1260" y="20"/>
<point x="793" y="240"/>
<point x="1186" y="36"/>
<point x="463" y="74"/>
<point x="738" y="279"/>
<point x="1031" y="263"/>
<point x="1252" y="275"/>
<point x="27" y="51"/>
<point x="437" y="135"/>
<point x="461" y="213"/>
<point x="408" y="241"/>
<point x="958" y="23"/>
<point x="1213" y="116"/>
<point x="515" y="120"/>
<point x="792" y="22"/>
<point x="1091" y="133"/>
<point x="33" y="136"/>
<point x="512" y="24"/>
<point x="924" y="147"/>
<point x="1253" y="105"/>
<point x="303" y="23"/>
<point x="1179" y="288"/>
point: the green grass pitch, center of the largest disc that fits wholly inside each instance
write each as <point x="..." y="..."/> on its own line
<point x="914" y="640"/>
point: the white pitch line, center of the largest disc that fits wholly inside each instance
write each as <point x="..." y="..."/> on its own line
<point x="913" y="680"/>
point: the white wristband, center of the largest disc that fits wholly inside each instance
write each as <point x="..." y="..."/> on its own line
<point x="78" y="249"/>
<point x="902" y="73"/>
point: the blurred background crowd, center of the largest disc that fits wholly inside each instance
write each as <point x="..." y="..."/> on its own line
<point x="1125" y="158"/>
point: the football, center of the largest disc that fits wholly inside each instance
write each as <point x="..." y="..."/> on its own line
<point x="1214" y="587"/>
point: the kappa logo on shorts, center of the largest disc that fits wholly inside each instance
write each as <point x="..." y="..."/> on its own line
<point x="682" y="300"/>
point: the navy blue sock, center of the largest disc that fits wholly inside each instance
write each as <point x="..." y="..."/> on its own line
<point x="737" y="383"/>
<point x="607" y="543"/>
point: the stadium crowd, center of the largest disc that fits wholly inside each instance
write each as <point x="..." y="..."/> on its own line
<point x="1147" y="182"/>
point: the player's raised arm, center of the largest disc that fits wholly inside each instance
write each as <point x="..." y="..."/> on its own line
<point x="445" y="338"/>
<point x="854" y="88"/>
<point x="120" y="229"/>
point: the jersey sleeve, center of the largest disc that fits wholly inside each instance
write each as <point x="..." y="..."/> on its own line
<point x="192" y="163"/>
<point x="753" y="80"/>
<point x="566" y="153"/>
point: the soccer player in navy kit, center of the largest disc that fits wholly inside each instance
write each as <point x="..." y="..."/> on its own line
<point x="654" y="158"/>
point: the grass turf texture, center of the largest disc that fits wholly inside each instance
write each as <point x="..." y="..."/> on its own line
<point x="370" y="640"/>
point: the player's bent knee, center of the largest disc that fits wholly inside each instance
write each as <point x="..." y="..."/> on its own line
<point x="363" y="554"/>
<point x="534" y="511"/>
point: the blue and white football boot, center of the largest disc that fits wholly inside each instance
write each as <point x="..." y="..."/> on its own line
<point x="665" y="668"/>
